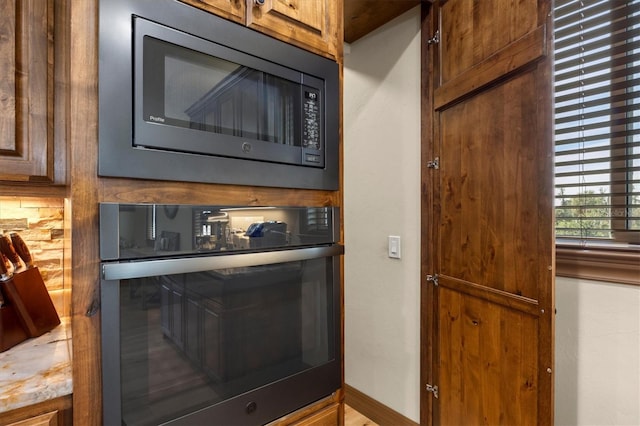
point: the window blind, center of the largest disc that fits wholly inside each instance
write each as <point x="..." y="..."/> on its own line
<point x="317" y="219"/>
<point x="151" y="223"/>
<point x="597" y="119"/>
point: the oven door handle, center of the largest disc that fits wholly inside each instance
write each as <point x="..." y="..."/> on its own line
<point x="151" y="268"/>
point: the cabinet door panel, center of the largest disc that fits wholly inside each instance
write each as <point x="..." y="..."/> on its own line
<point x="8" y="80"/>
<point x="467" y="40"/>
<point x="233" y="10"/>
<point x="26" y="91"/>
<point x="49" y="419"/>
<point x="312" y="25"/>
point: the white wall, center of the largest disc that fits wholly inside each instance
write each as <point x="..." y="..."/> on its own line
<point x="597" y="325"/>
<point x="597" y="353"/>
<point x="382" y="198"/>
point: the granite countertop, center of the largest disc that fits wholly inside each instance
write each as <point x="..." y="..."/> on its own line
<point x="37" y="369"/>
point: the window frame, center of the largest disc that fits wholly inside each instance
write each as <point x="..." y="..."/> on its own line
<point x="615" y="265"/>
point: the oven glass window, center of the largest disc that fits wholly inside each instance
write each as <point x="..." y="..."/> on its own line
<point x="189" y="341"/>
<point x="190" y="89"/>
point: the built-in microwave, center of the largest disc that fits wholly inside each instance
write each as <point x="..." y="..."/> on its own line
<point x="185" y="95"/>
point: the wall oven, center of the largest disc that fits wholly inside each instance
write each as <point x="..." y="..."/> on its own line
<point x="217" y="315"/>
<point x="187" y="96"/>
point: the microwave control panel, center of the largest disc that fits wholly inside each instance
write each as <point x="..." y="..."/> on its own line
<point x="311" y="122"/>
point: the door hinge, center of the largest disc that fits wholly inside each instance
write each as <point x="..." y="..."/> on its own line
<point x="435" y="39"/>
<point x="433" y="279"/>
<point x="434" y="164"/>
<point x="433" y="389"/>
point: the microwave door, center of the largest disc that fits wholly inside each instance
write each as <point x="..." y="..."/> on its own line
<point x="216" y="106"/>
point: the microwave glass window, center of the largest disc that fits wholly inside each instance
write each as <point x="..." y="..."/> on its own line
<point x="190" y="89"/>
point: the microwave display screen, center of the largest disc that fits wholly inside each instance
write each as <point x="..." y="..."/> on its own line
<point x="312" y="120"/>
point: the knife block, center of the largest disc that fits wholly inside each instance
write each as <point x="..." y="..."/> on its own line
<point x="28" y="295"/>
<point x="11" y="330"/>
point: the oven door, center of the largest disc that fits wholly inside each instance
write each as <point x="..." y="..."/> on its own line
<point x="224" y="339"/>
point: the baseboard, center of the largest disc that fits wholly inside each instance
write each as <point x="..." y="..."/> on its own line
<point x="374" y="410"/>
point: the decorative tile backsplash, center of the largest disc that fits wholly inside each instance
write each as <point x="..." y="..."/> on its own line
<point x="40" y="223"/>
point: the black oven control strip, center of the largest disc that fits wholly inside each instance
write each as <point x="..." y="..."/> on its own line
<point x="182" y="265"/>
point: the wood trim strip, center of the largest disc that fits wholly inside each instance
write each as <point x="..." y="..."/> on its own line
<point x="430" y="210"/>
<point x="499" y="297"/>
<point x="374" y="410"/>
<point x="25" y="189"/>
<point x="330" y="402"/>
<point x="82" y="93"/>
<point x="147" y="191"/>
<point x="521" y="52"/>
<point x="622" y="267"/>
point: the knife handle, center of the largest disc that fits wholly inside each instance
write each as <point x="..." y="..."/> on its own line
<point x="22" y="249"/>
<point x="7" y="248"/>
<point x="4" y="270"/>
<point x="4" y="275"/>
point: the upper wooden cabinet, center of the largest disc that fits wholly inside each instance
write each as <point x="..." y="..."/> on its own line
<point x="28" y="74"/>
<point x="312" y="25"/>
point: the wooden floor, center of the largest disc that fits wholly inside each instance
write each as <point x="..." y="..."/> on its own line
<point x="354" y="418"/>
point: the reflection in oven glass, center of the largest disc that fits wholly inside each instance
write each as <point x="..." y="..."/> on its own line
<point x="189" y="341"/>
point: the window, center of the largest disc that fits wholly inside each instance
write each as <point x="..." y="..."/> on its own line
<point x="597" y="125"/>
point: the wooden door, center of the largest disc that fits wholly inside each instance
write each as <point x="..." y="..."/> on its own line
<point x="488" y="305"/>
<point x="312" y="25"/>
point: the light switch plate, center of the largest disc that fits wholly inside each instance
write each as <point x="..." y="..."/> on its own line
<point x="394" y="247"/>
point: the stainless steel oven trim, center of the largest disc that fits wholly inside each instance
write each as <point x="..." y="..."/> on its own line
<point x="147" y="268"/>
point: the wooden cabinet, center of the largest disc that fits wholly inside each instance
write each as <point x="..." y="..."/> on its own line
<point x="54" y="412"/>
<point x="88" y="189"/>
<point x="309" y="24"/>
<point x="29" y="43"/>
<point x="312" y="25"/>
